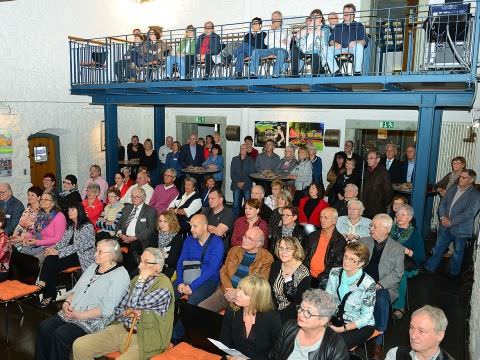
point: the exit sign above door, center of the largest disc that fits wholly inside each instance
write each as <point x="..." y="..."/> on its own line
<point x="386" y="124"/>
<point x="200" y="119"/>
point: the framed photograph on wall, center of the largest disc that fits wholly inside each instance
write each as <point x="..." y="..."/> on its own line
<point x="271" y="130"/>
<point x="302" y="133"/>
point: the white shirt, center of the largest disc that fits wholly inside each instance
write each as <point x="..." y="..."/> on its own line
<point x="392" y="354"/>
<point x="127" y="198"/>
<point x="194" y="207"/>
<point x="131" y="226"/>
<point x="388" y="163"/>
<point x="277" y="38"/>
<point x="163" y="152"/>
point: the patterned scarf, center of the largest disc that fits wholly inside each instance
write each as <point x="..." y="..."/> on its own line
<point x="164" y="239"/>
<point x="43" y="219"/>
<point x="401" y="235"/>
<point x="67" y="192"/>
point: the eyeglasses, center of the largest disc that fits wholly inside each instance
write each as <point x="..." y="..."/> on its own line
<point x="136" y="197"/>
<point x="209" y="28"/>
<point x="102" y="252"/>
<point x="352" y="260"/>
<point x="66" y="182"/>
<point x="3" y="192"/>
<point x="287" y="214"/>
<point x="306" y="312"/>
<point x="147" y="262"/>
<point x="42" y="199"/>
<point x="285" y="249"/>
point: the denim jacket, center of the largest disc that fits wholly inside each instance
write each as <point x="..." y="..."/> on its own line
<point x="361" y="302"/>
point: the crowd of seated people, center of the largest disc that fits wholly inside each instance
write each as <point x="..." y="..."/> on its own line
<point x="256" y="260"/>
<point x="317" y="42"/>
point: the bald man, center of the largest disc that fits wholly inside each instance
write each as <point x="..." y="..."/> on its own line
<point x="324" y="248"/>
<point x="12" y="207"/>
<point x="205" y="250"/>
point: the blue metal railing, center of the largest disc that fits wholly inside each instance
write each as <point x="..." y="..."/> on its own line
<point x="435" y="40"/>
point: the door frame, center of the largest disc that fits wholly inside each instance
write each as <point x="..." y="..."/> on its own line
<point x="56" y="141"/>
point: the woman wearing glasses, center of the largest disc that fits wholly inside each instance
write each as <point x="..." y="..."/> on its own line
<point x="354" y="292"/>
<point x="89" y="306"/>
<point x="289" y="278"/>
<point x="184" y="56"/>
<point x="310" y="337"/>
<point x="288" y="226"/>
<point x="253" y="326"/>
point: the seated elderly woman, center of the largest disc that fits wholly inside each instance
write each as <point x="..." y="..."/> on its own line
<point x="289" y="278"/>
<point x="92" y="204"/>
<point x="111" y="214"/>
<point x="170" y="241"/>
<point x="187" y="204"/>
<point x="27" y="220"/>
<point x="89" y="306"/>
<point x="289" y="226"/>
<point x="287" y="163"/>
<point x="250" y="220"/>
<point x="353" y="319"/>
<point x="354" y="226"/>
<point x="77" y="248"/>
<point x="350" y="192"/>
<point x="277" y="187"/>
<point x="282" y="200"/>
<point x="406" y="234"/>
<point x="311" y="206"/>
<point x="310" y="337"/>
<point x="149" y="299"/>
<point x="253" y="325"/>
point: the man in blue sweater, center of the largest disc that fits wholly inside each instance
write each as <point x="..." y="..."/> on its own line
<point x="12" y="207"/>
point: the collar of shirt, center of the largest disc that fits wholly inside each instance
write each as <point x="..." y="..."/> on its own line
<point x="168" y="187"/>
<point x="413" y="355"/>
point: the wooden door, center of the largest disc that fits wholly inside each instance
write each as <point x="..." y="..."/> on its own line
<point x="43" y="158"/>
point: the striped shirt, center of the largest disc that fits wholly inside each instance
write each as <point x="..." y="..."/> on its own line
<point x="243" y="268"/>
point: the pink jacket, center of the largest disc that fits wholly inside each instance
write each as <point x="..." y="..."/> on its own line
<point x="53" y="232"/>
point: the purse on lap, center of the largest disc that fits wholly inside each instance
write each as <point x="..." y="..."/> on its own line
<point x="192" y="269"/>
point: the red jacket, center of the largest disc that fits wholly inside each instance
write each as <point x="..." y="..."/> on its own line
<point x="314" y="218"/>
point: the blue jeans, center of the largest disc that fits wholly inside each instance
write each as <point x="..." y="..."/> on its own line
<point x="381" y="312"/>
<point x="357" y="52"/>
<point x="241" y="53"/>
<point x="180" y="61"/>
<point x="238" y="196"/>
<point x="280" y="54"/>
<point x="202" y="293"/>
<point x="444" y="238"/>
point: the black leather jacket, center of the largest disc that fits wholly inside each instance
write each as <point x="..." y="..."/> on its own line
<point x="332" y="347"/>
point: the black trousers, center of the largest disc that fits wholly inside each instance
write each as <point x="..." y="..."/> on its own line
<point x="52" y="266"/>
<point x="297" y="55"/>
<point x="357" y="337"/>
<point x="55" y="338"/>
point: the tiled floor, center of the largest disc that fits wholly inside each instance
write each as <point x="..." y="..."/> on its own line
<point x="450" y="295"/>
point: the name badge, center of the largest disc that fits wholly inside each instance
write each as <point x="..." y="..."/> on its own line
<point x="7" y="216"/>
<point x="143" y="220"/>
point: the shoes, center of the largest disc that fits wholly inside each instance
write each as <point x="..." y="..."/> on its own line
<point x="337" y="73"/>
<point x="46" y="302"/>
<point x="253" y="76"/>
<point x="376" y="352"/>
<point x="453" y="276"/>
<point x="357" y="73"/>
<point x="448" y="254"/>
<point x="238" y="75"/>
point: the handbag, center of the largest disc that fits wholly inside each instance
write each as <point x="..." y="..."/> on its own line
<point x="192" y="269"/>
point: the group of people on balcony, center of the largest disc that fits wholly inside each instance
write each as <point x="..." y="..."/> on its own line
<point x="313" y="43"/>
<point x="256" y="260"/>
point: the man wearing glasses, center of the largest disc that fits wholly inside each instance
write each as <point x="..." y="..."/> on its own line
<point x="11" y="206"/>
<point x="149" y="299"/>
<point x="457" y="211"/>
<point x="277" y="47"/>
<point x="255" y="39"/>
<point x="324" y="248"/>
<point x="207" y="45"/>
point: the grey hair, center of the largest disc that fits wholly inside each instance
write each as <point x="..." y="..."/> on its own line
<point x="172" y="171"/>
<point x="437" y="316"/>
<point x="7" y="185"/>
<point x="311" y="147"/>
<point x="261" y="237"/>
<point x="141" y="191"/>
<point x="323" y="302"/>
<point x="291" y="147"/>
<point x="114" y="248"/>
<point x="94" y="186"/>
<point x="191" y="179"/>
<point x="261" y="188"/>
<point x="353" y="186"/>
<point x="392" y="146"/>
<point x="158" y="256"/>
<point x="385" y="219"/>
<point x="358" y="203"/>
<point x="407" y="208"/>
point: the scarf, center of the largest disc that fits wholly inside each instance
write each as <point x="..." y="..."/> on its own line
<point x="401" y="235"/>
<point x="67" y="192"/>
<point x="164" y="239"/>
<point x="43" y="219"/>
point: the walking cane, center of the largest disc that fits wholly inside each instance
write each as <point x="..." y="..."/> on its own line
<point x="130" y="333"/>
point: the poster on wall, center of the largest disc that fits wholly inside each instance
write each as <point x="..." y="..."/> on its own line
<point x="6" y="153"/>
<point x="271" y="130"/>
<point x="300" y="134"/>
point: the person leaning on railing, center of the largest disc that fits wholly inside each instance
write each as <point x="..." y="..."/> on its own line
<point x="185" y="55"/>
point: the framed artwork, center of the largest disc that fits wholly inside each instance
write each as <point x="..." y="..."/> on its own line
<point x="6" y="153"/>
<point x="270" y="130"/>
<point x="302" y="133"/>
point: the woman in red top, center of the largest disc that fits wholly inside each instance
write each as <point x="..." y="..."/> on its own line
<point x="92" y="205"/>
<point x="311" y="206"/>
<point x="207" y="149"/>
<point x="119" y="178"/>
<point x="251" y="219"/>
<point x="5" y="249"/>
<point x="128" y="179"/>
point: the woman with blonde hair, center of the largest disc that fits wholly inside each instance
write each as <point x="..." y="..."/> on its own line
<point x="169" y="240"/>
<point x="252" y="306"/>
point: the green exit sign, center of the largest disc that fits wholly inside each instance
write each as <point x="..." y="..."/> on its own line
<point x="386" y="125"/>
<point x="200" y="119"/>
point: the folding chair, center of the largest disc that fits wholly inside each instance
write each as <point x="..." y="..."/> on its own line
<point x="13" y="291"/>
<point x="345" y="63"/>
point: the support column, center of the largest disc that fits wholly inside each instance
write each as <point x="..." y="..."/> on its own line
<point x="426" y="145"/>
<point x="111" y="141"/>
<point x="159" y="136"/>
